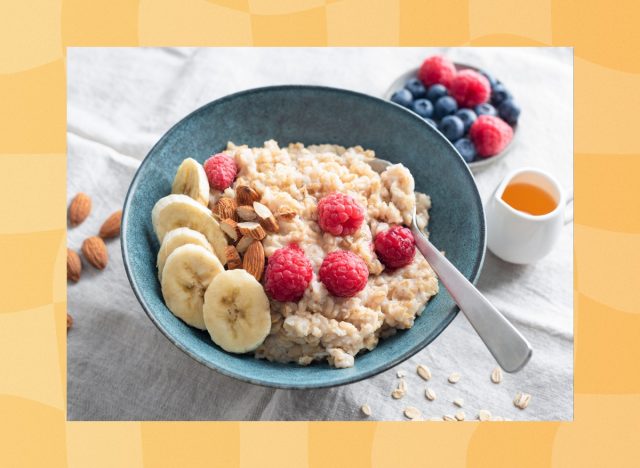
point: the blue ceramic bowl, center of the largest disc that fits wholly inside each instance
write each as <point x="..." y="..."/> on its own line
<point x="307" y="114"/>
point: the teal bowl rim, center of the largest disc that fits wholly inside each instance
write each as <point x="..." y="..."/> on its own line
<point x="386" y="365"/>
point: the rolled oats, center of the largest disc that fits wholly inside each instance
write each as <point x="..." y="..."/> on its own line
<point x="320" y="327"/>
<point x="522" y="400"/>
<point x="430" y="394"/>
<point x="454" y="378"/>
<point x="424" y="372"/>
<point x="412" y="412"/>
<point x="496" y="375"/>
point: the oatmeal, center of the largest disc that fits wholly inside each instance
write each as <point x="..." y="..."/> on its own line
<point x="320" y="325"/>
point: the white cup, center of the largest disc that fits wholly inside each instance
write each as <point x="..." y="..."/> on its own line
<point x="519" y="237"/>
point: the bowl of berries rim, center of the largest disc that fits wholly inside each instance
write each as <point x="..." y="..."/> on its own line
<point x="478" y="164"/>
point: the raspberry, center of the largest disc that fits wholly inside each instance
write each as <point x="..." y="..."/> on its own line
<point x="395" y="247"/>
<point x="288" y="274"/>
<point x="437" y="70"/>
<point x="343" y="273"/>
<point x="490" y="135"/>
<point x="469" y="88"/>
<point x="221" y="171"/>
<point x="339" y="214"/>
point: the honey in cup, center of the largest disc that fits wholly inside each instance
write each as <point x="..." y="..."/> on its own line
<point x="529" y="198"/>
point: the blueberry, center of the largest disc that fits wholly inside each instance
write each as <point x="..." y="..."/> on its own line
<point x="486" y="109"/>
<point x="499" y="94"/>
<point x="490" y="78"/>
<point x="435" y="92"/>
<point x="423" y="108"/>
<point x="431" y="122"/>
<point x="416" y="88"/>
<point x="509" y="111"/>
<point x="466" y="149"/>
<point x="452" y="127"/>
<point x="468" y="117"/>
<point x="446" y="105"/>
<point x="402" y="97"/>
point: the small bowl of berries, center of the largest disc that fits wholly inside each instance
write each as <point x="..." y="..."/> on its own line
<point x="471" y="108"/>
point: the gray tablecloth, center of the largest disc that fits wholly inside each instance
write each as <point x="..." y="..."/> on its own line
<point x="120" y="367"/>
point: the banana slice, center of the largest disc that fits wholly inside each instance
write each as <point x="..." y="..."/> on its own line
<point x="187" y="273"/>
<point x="175" y="239"/>
<point x="191" y="180"/>
<point x="236" y="311"/>
<point x="174" y="211"/>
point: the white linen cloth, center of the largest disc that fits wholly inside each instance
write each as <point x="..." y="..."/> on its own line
<point x="120" y="367"/>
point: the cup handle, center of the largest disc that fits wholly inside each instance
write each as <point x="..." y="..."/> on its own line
<point x="569" y="218"/>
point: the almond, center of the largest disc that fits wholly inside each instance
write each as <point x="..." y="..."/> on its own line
<point x="253" y="260"/>
<point x="95" y="251"/>
<point x="233" y="258"/>
<point x="74" y="266"/>
<point x="226" y="208"/>
<point x="245" y="195"/>
<point x="252" y="229"/>
<point x="246" y="213"/>
<point x="79" y="209"/>
<point x="230" y="228"/>
<point x="267" y="220"/>
<point x="69" y="321"/>
<point x="111" y="227"/>
<point x="286" y="214"/>
<point x="244" y="243"/>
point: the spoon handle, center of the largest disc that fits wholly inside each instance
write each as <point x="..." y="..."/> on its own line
<point x="506" y="343"/>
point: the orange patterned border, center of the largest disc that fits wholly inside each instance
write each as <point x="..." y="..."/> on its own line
<point x="34" y="36"/>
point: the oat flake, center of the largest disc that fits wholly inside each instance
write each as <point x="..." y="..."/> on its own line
<point x="522" y="400"/>
<point x="430" y="394"/>
<point x="402" y="385"/>
<point x="459" y="402"/>
<point x="454" y="377"/>
<point x="366" y="410"/>
<point x="412" y="412"/>
<point x="424" y="372"/>
<point x="484" y="415"/>
<point x="448" y="417"/>
<point x="460" y="415"/>
<point x="496" y="375"/>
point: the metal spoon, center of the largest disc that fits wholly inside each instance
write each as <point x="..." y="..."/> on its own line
<point x="504" y="341"/>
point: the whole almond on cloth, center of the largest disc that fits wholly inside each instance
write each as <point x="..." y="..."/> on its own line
<point x="233" y="258"/>
<point x="245" y="195"/>
<point x="111" y="227"/>
<point x="253" y="261"/>
<point x="74" y="266"/>
<point x="69" y="321"/>
<point x="79" y="209"/>
<point x="95" y="251"/>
